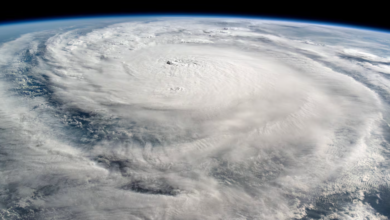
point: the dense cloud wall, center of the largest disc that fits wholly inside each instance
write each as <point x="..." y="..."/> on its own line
<point x="195" y="119"/>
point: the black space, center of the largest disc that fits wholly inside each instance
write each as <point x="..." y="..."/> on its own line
<point x="371" y="14"/>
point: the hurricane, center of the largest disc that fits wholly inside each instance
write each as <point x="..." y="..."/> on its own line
<point x="195" y="118"/>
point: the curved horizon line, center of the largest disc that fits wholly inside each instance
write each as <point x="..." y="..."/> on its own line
<point x="188" y="15"/>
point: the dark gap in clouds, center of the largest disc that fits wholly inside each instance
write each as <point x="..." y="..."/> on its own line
<point x="25" y="213"/>
<point x="14" y="210"/>
<point x="361" y="59"/>
<point x="36" y="85"/>
<point x="326" y="205"/>
<point x="45" y="191"/>
<point x="379" y="199"/>
<point x="112" y="163"/>
<point x="156" y="186"/>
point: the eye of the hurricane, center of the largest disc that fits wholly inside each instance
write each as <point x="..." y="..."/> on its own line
<point x="157" y="187"/>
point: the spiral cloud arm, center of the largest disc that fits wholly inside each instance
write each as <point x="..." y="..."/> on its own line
<point x="195" y="118"/>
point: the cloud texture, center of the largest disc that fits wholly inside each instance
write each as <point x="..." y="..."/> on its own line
<point x="195" y="119"/>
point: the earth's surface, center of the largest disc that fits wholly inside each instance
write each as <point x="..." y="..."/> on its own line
<point x="193" y="118"/>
